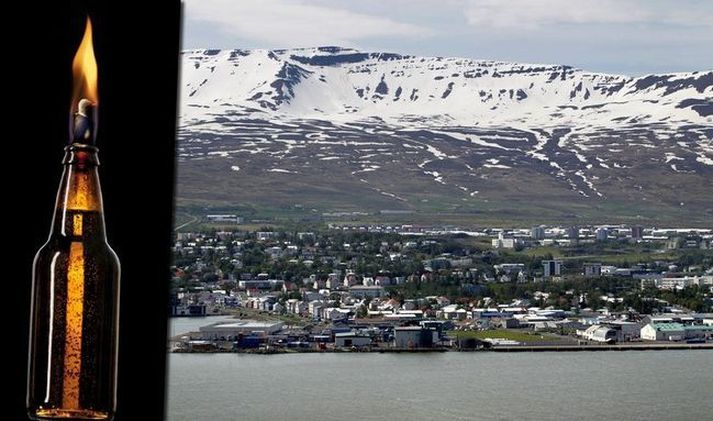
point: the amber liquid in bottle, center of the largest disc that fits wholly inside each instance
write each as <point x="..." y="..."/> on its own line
<point x="75" y="303"/>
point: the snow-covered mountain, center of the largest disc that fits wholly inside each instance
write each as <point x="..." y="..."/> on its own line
<point x="474" y="131"/>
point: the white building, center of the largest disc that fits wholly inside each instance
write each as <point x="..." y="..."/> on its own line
<point x="677" y="283"/>
<point x="314" y="309"/>
<point x="509" y="268"/>
<point x="598" y="333"/>
<point x="504" y="243"/>
<point x="362" y="291"/>
<point x="240" y="327"/>
<point x="663" y="332"/>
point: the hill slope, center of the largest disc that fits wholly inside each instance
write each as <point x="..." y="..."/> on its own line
<point x="335" y="129"/>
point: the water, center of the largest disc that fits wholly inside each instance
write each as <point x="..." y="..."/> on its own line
<point x="632" y="385"/>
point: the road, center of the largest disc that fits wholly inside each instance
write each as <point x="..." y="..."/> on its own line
<point x="195" y="219"/>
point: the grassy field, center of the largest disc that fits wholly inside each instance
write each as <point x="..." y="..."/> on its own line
<point x="514" y="335"/>
<point x="511" y="199"/>
<point x="630" y="253"/>
<point x="543" y="251"/>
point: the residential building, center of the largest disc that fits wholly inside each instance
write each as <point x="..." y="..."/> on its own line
<point x="676" y="283"/>
<point x="592" y="270"/>
<point x="573" y="233"/>
<point x="537" y="233"/>
<point x="602" y="234"/>
<point x="637" y="232"/>
<point x="261" y="284"/>
<point x="363" y="291"/>
<point x="505" y="243"/>
<point x="552" y="268"/>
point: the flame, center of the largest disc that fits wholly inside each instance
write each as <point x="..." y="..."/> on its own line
<point x="84" y="70"/>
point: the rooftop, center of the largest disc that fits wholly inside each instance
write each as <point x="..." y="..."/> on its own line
<point x="665" y="327"/>
<point x="242" y="324"/>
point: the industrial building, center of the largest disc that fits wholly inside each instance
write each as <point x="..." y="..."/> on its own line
<point x="239" y="327"/>
<point x="351" y="339"/>
<point x="413" y="337"/>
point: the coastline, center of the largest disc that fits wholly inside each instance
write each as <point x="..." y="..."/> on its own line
<point x="518" y="348"/>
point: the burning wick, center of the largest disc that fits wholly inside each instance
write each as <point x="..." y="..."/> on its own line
<point x="84" y="116"/>
<point x="84" y="122"/>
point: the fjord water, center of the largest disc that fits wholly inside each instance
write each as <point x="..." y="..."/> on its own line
<point x="631" y="385"/>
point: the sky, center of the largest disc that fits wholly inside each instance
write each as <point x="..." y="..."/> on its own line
<point x="632" y="37"/>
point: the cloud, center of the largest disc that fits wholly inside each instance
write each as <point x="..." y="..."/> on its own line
<point x="535" y="14"/>
<point x="293" y="23"/>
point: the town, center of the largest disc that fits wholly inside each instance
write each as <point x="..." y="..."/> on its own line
<point x="411" y="288"/>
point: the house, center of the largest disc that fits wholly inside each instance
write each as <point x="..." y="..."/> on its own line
<point x="350" y="279"/>
<point x="332" y="281"/>
<point x="313" y="296"/>
<point x="663" y="332"/>
<point x="295" y="306"/>
<point x="335" y="314"/>
<point x="452" y="312"/>
<point x="278" y="308"/>
<point x="314" y="309"/>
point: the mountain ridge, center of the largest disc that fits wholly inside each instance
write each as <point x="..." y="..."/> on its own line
<point x="313" y="123"/>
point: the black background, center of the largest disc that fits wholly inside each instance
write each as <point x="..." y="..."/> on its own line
<point x="136" y="45"/>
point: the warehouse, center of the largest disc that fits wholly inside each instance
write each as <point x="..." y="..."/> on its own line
<point x="239" y="328"/>
<point x="351" y="339"/>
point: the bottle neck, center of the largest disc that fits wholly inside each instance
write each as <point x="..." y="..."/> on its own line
<point x="79" y="211"/>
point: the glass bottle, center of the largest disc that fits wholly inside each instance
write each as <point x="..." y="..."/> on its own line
<point x="75" y="303"/>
